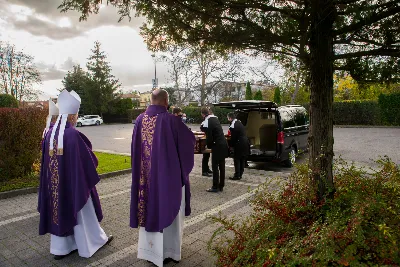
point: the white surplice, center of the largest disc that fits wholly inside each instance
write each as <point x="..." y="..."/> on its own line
<point x="88" y="235"/>
<point x="155" y="246"/>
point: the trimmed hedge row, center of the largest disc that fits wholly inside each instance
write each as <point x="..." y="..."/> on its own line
<point x="20" y="137"/>
<point x="386" y="111"/>
<point x="390" y="109"/>
<point x="192" y="113"/>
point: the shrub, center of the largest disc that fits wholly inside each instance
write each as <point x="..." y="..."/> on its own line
<point x="134" y="113"/>
<point x="390" y="108"/>
<point x="355" y="112"/>
<point x="20" y="137"/>
<point x="8" y="101"/>
<point x="358" y="227"/>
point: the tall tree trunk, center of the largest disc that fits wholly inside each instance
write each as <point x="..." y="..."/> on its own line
<point x="297" y="86"/>
<point x="203" y="83"/>
<point x="321" y="102"/>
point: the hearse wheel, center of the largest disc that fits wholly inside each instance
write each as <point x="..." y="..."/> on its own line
<point x="79" y="124"/>
<point x="97" y="123"/>
<point x="292" y="158"/>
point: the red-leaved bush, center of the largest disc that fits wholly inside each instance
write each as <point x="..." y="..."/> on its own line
<point x="360" y="226"/>
<point x="20" y="137"/>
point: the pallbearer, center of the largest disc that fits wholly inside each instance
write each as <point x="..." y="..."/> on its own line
<point x="162" y="159"/>
<point x="69" y="205"/>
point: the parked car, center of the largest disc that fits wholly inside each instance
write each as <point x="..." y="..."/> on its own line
<point x="275" y="133"/>
<point x="89" y="120"/>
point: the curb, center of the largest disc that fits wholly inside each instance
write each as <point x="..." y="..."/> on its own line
<point x="32" y="190"/>
<point x="366" y="126"/>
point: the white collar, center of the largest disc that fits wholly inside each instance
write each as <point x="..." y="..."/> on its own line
<point x="233" y="123"/>
<point x="205" y="122"/>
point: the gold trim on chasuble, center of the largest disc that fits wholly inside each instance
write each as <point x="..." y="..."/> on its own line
<point x="54" y="182"/>
<point x="147" y="134"/>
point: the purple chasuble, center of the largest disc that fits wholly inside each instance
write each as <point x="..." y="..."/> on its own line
<point x="66" y="182"/>
<point x="162" y="159"/>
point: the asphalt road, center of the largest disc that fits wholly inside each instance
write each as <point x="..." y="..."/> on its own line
<point x="359" y="145"/>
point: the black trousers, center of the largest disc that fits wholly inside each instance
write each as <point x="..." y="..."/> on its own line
<point x="204" y="163"/>
<point x="218" y="168"/>
<point x="239" y="166"/>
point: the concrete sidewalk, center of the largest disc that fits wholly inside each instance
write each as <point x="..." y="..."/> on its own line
<point x="20" y="244"/>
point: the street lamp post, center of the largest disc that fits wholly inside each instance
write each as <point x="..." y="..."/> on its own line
<point x="155" y="82"/>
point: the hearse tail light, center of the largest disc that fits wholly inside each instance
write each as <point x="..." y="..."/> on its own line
<point x="281" y="139"/>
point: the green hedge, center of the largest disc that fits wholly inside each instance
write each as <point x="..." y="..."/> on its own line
<point x="356" y="113"/>
<point x="20" y="138"/>
<point x="8" y="101"/>
<point x="390" y="109"/>
<point x="193" y="113"/>
<point x="386" y="111"/>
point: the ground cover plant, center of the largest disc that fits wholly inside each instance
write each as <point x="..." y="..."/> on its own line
<point x="359" y="226"/>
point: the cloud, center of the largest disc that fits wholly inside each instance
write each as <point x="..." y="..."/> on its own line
<point x="43" y="18"/>
<point x="68" y="64"/>
<point x="50" y="72"/>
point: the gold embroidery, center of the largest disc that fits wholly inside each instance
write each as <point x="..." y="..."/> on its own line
<point x="54" y="181"/>
<point x="147" y="134"/>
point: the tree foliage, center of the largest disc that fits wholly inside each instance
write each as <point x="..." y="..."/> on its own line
<point x="78" y="80"/>
<point x="102" y="87"/>
<point x="361" y="37"/>
<point x="18" y="73"/>
<point x="249" y="93"/>
<point x="258" y="95"/>
<point x="277" y="96"/>
<point x="8" y="101"/>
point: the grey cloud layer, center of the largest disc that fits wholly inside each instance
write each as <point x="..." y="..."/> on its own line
<point x="48" y="8"/>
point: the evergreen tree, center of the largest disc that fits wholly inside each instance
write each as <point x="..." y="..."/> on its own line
<point x="249" y="94"/>
<point x="277" y="96"/>
<point x="103" y="86"/>
<point x="258" y="95"/>
<point x="78" y="80"/>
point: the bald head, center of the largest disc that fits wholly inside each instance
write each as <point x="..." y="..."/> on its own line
<point x="159" y="97"/>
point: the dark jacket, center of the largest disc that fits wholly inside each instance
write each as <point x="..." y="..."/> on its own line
<point x="215" y="138"/>
<point x="239" y="140"/>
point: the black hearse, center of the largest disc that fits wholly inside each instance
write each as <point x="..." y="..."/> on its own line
<point x="275" y="133"/>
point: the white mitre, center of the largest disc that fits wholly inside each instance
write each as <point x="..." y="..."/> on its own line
<point x="68" y="103"/>
<point x="53" y="111"/>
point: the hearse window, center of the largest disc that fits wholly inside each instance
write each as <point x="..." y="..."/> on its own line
<point x="300" y="118"/>
<point x="287" y="119"/>
<point x="267" y="115"/>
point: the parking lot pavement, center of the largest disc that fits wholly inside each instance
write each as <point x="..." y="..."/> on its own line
<point x="358" y="145"/>
<point x="20" y="244"/>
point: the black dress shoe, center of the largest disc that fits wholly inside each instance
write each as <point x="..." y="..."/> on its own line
<point x="206" y="174"/>
<point x="235" y="178"/>
<point x="168" y="260"/>
<point x="59" y="257"/>
<point x="221" y="189"/>
<point x="110" y="238"/>
<point x="210" y="172"/>
<point x="212" y="190"/>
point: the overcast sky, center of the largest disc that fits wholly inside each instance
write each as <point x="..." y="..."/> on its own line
<point x="58" y="41"/>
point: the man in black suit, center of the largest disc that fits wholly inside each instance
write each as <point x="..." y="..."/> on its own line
<point x="205" y="170"/>
<point x="240" y="144"/>
<point x="216" y="141"/>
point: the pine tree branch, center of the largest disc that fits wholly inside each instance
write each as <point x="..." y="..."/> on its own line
<point x="375" y="52"/>
<point x="367" y="21"/>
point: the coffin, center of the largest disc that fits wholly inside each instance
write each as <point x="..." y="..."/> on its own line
<point x="200" y="147"/>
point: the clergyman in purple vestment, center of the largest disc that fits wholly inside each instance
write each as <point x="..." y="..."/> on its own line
<point x="68" y="202"/>
<point x="162" y="159"/>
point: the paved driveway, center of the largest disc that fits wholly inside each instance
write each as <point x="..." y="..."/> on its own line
<point x="358" y="145"/>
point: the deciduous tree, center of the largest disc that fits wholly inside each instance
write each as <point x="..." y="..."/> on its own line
<point x="18" y="73"/>
<point x="361" y="37"/>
